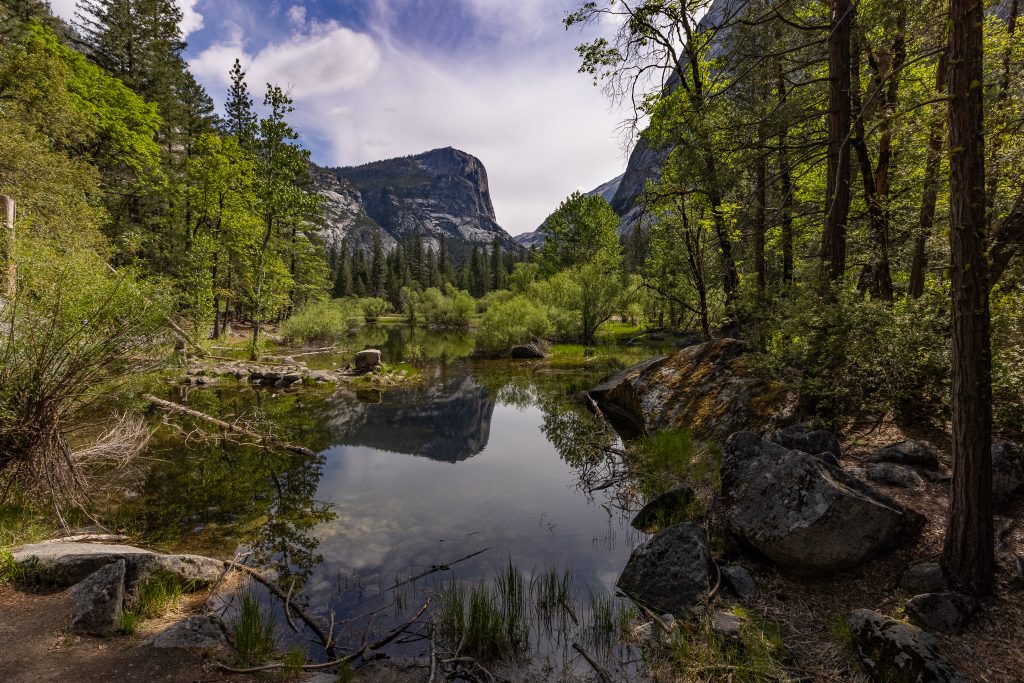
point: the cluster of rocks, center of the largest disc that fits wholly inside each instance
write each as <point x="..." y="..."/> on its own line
<point x="787" y="499"/>
<point x="105" y="581"/>
<point x="288" y="373"/>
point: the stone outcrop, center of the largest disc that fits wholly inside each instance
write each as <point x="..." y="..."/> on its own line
<point x="99" y="599"/>
<point x="894" y="652"/>
<point x="65" y="564"/>
<point x="809" y="439"/>
<point x="669" y="572"/>
<point x="707" y="388"/>
<point x="440" y="194"/>
<point x="803" y="514"/>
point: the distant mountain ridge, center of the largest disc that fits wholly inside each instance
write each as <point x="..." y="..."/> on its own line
<point x="443" y="193"/>
<point x="606" y="190"/>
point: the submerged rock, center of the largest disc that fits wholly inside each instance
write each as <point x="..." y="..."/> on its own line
<point x="945" y="612"/>
<point x="706" y="388"/>
<point x="669" y="572"/>
<point x="894" y="652"/>
<point x="98" y="600"/>
<point x="664" y="510"/>
<point x="1007" y="471"/>
<point x="913" y="453"/>
<point x="896" y="475"/>
<point x="803" y="514"/>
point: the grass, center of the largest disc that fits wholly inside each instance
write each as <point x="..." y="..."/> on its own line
<point x="666" y="458"/>
<point x="253" y="633"/>
<point x="490" y="620"/>
<point x="160" y="592"/>
<point x="10" y="571"/>
<point x="128" y="622"/>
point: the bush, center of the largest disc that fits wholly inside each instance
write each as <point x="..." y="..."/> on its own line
<point x="454" y="310"/>
<point x="373" y="308"/>
<point x="520" y="320"/>
<point x="323" y="322"/>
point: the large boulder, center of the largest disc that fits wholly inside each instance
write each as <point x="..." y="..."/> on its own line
<point x="803" y="514"/>
<point x="65" y="564"/>
<point x="894" y="652"/>
<point x="670" y="572"/>
<point x="98" y="600"/>
<point x="913" y="453"/>
<point x="707" y="388"/>
<point x="1007" y="471"/>
<point x="894" y="475"/>
<point x="367" y="360"/>
<point x="924" y="577"/>
<point x="809" y="439"/>
<point x="531" y="351"/>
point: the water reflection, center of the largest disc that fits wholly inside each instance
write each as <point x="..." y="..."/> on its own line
<point x="447" y="418"/>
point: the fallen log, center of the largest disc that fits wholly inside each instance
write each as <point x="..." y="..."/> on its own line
<point x="269" y="439"/>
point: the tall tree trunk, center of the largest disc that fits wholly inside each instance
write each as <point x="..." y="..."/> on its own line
<point x="760" y="221"/>
<point x="968" y="554"/>
<point x="837" y="195"/>
<point x="930" y="192"/>
<point x="785" y="188"/>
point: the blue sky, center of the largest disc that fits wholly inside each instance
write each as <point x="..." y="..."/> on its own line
<point x="374" y="79"/>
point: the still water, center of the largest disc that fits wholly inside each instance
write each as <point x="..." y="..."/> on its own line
<point x="477" y="459"/>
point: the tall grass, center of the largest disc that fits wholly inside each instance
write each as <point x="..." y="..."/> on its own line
<point x="254" y="633"/>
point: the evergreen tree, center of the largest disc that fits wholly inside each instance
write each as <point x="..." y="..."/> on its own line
<point x="497" y="266"/>
<point x="343" y="279"/>
<point x="378" y="276"/>
<point x="240" y="117"/>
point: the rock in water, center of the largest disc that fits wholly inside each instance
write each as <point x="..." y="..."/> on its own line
<point x="924" y="577"/>
<point x="367" y="360"/>
<point x="528" y="352"/>
<point x="945" y="612"/>
<point x="913" y="453"/>
<point x="98" y="600"/>
<point x="670" y="571"/>
<point x="705" y="388"/>
<point x="1007" y="471"/>
<point x="897" y="475"/>
<point x="193" y="632"/>
<point x="806" y="516"/>
<point x="893" y="652"/>
<point x="664" y="510"/>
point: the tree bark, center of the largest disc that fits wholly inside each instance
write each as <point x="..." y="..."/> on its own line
<point x="837" y="195"/>
<point x="968" y="554"/>
<point x="785" y="188"/>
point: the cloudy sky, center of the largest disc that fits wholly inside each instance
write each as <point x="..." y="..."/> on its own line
<point x="374" y="79"/>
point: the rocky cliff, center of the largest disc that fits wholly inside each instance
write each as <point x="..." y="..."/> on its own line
<point x="441" y="193"/>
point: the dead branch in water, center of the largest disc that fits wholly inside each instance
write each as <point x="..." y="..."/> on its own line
<point x="268" y="439"/>
<point x="601" y="672"/>
<point x="436" y="568"/>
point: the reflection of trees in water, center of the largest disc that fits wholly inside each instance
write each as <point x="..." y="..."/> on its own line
<point x="216" y="494"/>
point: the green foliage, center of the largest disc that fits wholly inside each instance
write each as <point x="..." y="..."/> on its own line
<point x="583" y="228"/>
<point x="1008" y="360"/>
<point x="454" y="309"/>
<point x="322" y="323"/>
<point x="128" y="622"/>
<point x="253" y="633"/>
<point x="160" y="592"/>
<point x="490" y="621"/>
<point x="519" y="320"/>
<point x="373" y="308"/>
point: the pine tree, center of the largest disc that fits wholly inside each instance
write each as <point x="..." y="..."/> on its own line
<point x="378" y="276"/>
<point x="343" y="279"/>
<point x="241" y="120"/>
<point x="497" y="266"/>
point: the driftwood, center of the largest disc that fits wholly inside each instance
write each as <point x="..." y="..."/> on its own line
<point x="436" y="568"/>
<point x="598" y="669"/>
<point x="269" y="439"/>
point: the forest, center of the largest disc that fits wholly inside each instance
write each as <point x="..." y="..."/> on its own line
<point x="837" y="189"/>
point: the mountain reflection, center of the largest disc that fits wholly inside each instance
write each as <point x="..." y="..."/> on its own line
<point x="447" y="420"/>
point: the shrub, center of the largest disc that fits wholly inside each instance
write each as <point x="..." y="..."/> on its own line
<point x="319" y="323"/>
<point x="454" y="310"/>
<point x="1008" y="360"/>
<point x="373" y="308"/>
<point x="517" y="321"/>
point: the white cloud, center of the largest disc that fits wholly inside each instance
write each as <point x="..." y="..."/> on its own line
<point x="191" y="19"/>
<point x="297" y="15"/>
<point x="541" y="129"/>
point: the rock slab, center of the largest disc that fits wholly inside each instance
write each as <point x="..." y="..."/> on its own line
<point x="193" y="632"/>
<point x="98" y="600"/>
<point x="806" y="516"/>
<point x="894" y="652"/>
<point x="895" y="475"/>
<point x="669" y="572"/>
<point x="809" y="439"/>
<point x="910" y="452"/>
<point x="945" y="612"/>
